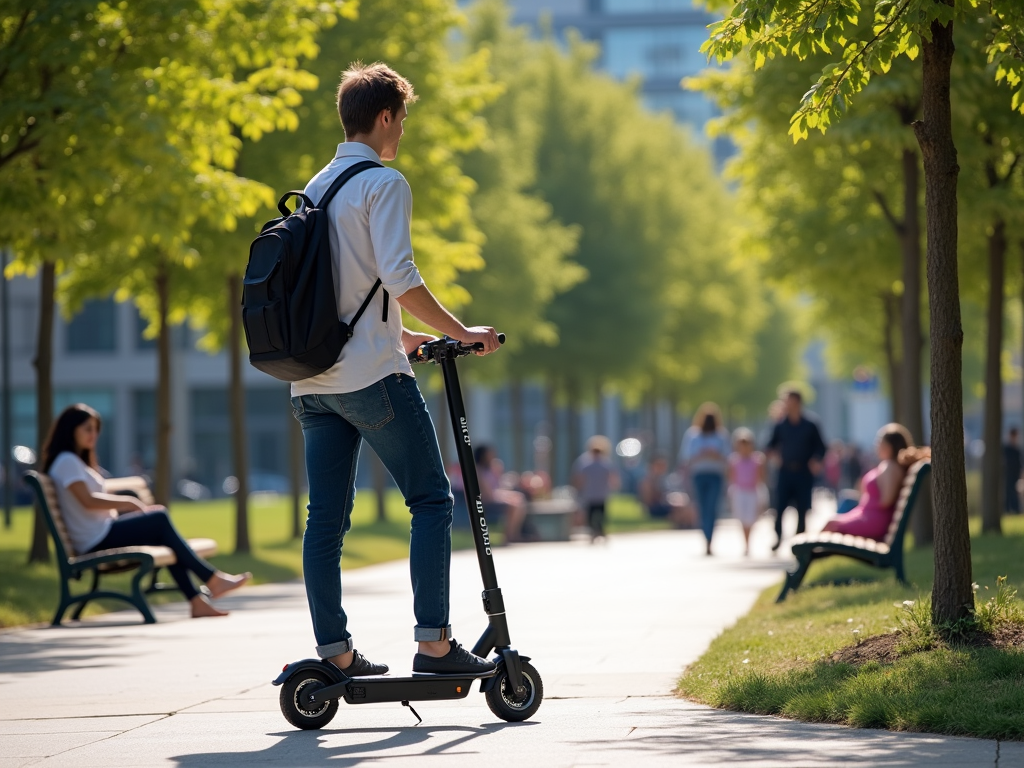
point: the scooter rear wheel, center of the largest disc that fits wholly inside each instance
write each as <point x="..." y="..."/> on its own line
<point x="503" y="701"/>
<point x="297" y="713"/>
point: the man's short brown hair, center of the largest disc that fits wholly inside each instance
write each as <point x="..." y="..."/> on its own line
<point x="366" y="90"/>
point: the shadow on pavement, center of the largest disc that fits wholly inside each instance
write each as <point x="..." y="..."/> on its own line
<point x="56" y="652"/>
<point x="716" y="737"/>
<point x="302" y="748"/>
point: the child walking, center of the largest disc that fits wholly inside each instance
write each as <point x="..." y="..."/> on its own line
<point x="746" y="475"/>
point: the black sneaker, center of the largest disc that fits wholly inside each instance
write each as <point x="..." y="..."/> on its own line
<point x="363" y="667"/>
<point x="458" y="661"/>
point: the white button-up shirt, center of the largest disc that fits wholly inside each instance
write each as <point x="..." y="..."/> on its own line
<point x="370" y="238"/>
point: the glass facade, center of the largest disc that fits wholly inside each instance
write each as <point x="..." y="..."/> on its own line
<point x="645" y="6"/>
<point x="267" y="410"/>
<point x="94" y="328"/>
<point x="23" y="416"/>
<point x="655" y="52"/>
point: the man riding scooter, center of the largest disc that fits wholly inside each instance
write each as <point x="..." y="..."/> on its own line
<point x="370" y="393"/>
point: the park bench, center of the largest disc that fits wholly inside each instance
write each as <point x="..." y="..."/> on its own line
<point x="146" y="560"/>
<point x="882" y="554"/>
<point x="551" y="519"/>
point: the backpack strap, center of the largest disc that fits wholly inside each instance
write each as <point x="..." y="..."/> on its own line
<point x="366" y="303"/>
<point x="332" y="190"/>
<point x="342" y="179"/>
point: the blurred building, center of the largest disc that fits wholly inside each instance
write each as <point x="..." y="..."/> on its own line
<point x="657" y="41"/>
<point x="101" y="357"/>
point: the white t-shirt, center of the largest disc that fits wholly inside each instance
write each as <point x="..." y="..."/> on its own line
<point x="370" y="220"/>
<point x="85" y="527"/>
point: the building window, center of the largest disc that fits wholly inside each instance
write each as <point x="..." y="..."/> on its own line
<point x="655" y="52"/>
<point x="94" y="328"/>
<point x="23" y="417"/>
<point x="181" y="335"/>
<point x="648" y="6"/>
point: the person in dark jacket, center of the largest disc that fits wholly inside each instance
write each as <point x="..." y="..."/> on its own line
<point x="797" y="444"/>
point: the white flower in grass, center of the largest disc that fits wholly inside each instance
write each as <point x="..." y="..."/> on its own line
<point x="908" y="604"/>
<point x="974" y="586"/>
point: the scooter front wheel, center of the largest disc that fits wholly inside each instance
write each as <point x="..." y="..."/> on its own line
<point x="301" y="715"/>
<point x="506" y="704"/>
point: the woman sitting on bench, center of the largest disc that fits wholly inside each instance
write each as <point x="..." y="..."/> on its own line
<point x="880" y="487"/>
<point x="91" y="516"/>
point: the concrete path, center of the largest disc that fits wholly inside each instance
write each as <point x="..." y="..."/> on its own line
<point x="609" y="627"/>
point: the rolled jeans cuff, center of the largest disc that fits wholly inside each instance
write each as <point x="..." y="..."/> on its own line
<point x="333" y="649"/>
<point x="432" y="635"/>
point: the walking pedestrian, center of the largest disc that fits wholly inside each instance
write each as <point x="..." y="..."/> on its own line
<point x="796" y="441"/>
<point x="595" y="479"/>
<point x="746" y="476"/>
<point x="704" y="455"/>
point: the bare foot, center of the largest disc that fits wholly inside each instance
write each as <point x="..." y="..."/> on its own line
<point x="201" y="608"/>
<point x="222" y="582"/>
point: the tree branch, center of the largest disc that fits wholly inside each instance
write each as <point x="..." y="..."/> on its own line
<point x="897" y="225"/>
<point x="834" y="89"/>
<point x="20" y="148"/>
<point x="17" y="33"/>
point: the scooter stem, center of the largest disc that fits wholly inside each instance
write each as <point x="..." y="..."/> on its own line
<point x="496" y="635"/>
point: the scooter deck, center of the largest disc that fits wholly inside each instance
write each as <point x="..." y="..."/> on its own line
<point x="417" y="687"/>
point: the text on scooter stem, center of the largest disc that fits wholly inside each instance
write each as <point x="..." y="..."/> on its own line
<point x="465" y="430"/>
<point x="483" y="525"/>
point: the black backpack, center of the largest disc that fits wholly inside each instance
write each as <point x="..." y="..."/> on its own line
<point x="289" y="305"/>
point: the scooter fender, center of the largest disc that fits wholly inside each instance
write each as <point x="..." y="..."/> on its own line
<point x="489" y="682"/>
<point x="307" y="664"/>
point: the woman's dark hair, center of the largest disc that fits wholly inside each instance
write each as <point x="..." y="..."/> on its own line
<point x="899" y="439"/>
<point x="710" y="424"/>
<point x="62" y="435"/>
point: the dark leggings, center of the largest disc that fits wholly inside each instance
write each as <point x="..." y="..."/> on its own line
<point x="595" y="517"/>
<point x="146" y="529"/>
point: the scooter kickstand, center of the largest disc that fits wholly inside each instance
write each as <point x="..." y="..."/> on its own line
<point x="418" y="718"/>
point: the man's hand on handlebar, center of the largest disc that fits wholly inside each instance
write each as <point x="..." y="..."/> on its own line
<point x="480" y="334"/>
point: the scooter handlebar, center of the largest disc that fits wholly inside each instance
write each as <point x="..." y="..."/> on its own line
<point x="433" y="351"/>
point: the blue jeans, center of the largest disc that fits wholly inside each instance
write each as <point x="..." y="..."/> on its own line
<point x="709" y="489"/>
<point x="392" y="417"/>
<point x="155" y="529"/>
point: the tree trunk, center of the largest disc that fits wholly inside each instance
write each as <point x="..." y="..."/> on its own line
<point x="515" y="401"/>
<point x="912" y="416"/>
<point x="162" y="480"/>
<point x="380" y="485"/>
<point x="39" y="552"/>
<point x="551" y="415"/>
<point x="239" y="433"/>
<point x="890" y="321"/>
<point x="992" y="502"/>
<point x="297" y="467"/>
<point x="952" y="597"/>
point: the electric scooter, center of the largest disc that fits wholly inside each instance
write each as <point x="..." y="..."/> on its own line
<point x="312" y="688"/>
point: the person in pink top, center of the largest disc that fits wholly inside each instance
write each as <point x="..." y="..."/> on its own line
<point x="880" y="487"/>
<point x="746" y="476"/>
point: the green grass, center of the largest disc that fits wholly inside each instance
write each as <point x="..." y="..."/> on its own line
<point x="775" y="659"/>
<point x="29" y="593"/>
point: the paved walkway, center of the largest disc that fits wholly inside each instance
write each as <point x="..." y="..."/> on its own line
<point x="609" y="628"/>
